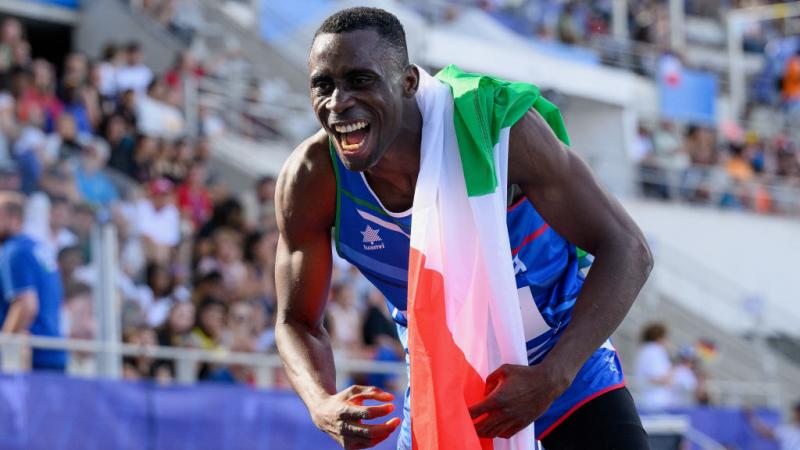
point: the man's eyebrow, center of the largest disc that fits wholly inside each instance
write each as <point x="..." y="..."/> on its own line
<point x="317" y="77"/>
<point x="361" y="71"/>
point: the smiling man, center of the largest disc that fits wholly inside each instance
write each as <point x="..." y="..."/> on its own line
<point x="357" y="177"/>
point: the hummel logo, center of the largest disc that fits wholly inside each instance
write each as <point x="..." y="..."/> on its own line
<point x="372" y="241"/>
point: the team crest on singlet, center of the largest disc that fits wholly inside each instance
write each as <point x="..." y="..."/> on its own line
<point x="371" y="239"/>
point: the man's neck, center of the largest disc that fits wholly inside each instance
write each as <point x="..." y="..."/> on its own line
<point x="399" y="166"/>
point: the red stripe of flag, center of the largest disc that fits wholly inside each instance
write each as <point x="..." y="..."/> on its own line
<point x="443" y="383"/>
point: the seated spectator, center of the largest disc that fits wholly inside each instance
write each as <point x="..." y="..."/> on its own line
<point x="194" y="200"/>
<point x="259" y="252"/>
<point x="76" y="74"/>
<point x="134" y="75"/>
<point x="11" y="34"/>
<point x="41" y="94"/>
<point x="259" y="204"/>
<point x="112" y="58"/>
<point x="94" y="185"/>
<point x="64" y="142"/>
<point x="177" y="329"/>
<point x="227" y="259"/>
<point x="155" y="116"/>
<point x="47" y="220"/>
<point x="654" y="369"/>
<point x="791" y="81"/>
<point x="136" y="368"/>
<point x="345" y="320"/>
<point x="380" y="337"/>
<point x="158" y="220"/>
<point x="115" y="132"/>
<point x="154" y="296"/>
<point x="127" y="107"/>
<point x="80" y="323"/>
<point x="69" y="260"/>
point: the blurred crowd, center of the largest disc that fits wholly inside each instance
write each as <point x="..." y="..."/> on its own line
<point x="666" y="381"/>
<point x="107" y="141"/>
<point x="727" y="167"/>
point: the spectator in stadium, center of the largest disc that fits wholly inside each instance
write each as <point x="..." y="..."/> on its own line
<point x="76" y="73"/>
<point x="227" y="259"/>
<point x="11" y="34"/>
<point x="79" y="323"/>
<point x="568" y="29"/>
<point x="258" y="204"/>
<point x="69" y="260"/>
<point x="94" y="185"/>
<point x="194" y="200"/>
<point x="155" y="116"/>
<point x="158" y="220"/>
<point x="345" y="320"/>
<point x="259" y="252"/>
<point x="787" y="435"/>
<point x="155" y="296"/>
<point x="654" y="369"/>
<point x="126" y="107"/>
<point x="64" y="142"/>
<point x="122" y="143"/>
<point x="177" y="329"/>
<point x="41" y="94"/>
<point x="688" y="386"/>
<point x="47" y="220"/>
<point x="111" y="60"/>
<point x="790" y="85"/>
<point x="30" y="287"/>
<point x="134" y="75"/>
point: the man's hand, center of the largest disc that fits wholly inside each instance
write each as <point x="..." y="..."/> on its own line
<point x="341" y="416"/>
<point x="515" y="397"/>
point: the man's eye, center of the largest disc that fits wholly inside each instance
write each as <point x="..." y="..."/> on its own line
<point x="361" y="81"/>
<point x="322" y="86"/>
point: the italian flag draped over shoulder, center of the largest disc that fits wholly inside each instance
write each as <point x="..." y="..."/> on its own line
<point x="463" y="308"/>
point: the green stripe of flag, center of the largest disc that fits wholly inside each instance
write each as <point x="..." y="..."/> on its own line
<point x="484" y="105"/>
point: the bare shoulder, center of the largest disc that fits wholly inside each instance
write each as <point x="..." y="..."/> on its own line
<point x="535" y="153"/>
<point x="305" y="196"/>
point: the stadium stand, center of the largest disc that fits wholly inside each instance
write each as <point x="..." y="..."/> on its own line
<point x="167" y="121"/>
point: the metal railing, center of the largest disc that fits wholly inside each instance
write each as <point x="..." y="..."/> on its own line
<point x="13" y="350"/>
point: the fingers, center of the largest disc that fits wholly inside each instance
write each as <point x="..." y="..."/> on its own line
<point x="367" y="412"/>
<point x="483" y="407"/>
<point x="368" y="431"/>
<point x="491" y="425"/>
<point x="357" y="394"/>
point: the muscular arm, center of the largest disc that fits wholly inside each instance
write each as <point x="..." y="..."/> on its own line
<point x="21" y="313"/>
<point x="564" y="191"/>
<point x="305" y="208"/>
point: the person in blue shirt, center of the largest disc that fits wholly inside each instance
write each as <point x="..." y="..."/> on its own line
<point x="94" y="185"/>
<point x="30" y="285"/>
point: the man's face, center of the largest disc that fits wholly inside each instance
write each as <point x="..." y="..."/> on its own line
<point x="9" y="224"/>
<point x="357" y="91"/>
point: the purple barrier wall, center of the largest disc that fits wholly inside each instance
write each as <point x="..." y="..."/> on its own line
<point x="53" y="412"/>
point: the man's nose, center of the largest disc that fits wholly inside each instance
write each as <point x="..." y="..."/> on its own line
<point x="340" y="101"/>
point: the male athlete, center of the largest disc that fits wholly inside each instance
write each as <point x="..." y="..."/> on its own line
<point x="357" y="176"/>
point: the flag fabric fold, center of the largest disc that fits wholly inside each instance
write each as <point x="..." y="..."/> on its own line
<point x="463" y="307"/>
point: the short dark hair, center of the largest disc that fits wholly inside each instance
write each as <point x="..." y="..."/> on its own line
<point x="383" y="22"/>
<point x="653" y="332"/>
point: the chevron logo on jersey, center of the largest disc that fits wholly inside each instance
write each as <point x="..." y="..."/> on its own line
<point x="372" y="241"/>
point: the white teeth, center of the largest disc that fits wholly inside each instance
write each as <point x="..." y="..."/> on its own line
<point x="351" y="127"/>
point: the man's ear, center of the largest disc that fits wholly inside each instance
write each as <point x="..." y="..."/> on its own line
<point x="410" y="81"/>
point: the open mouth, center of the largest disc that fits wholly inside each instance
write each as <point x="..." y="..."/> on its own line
<point x="352" y="135"/>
